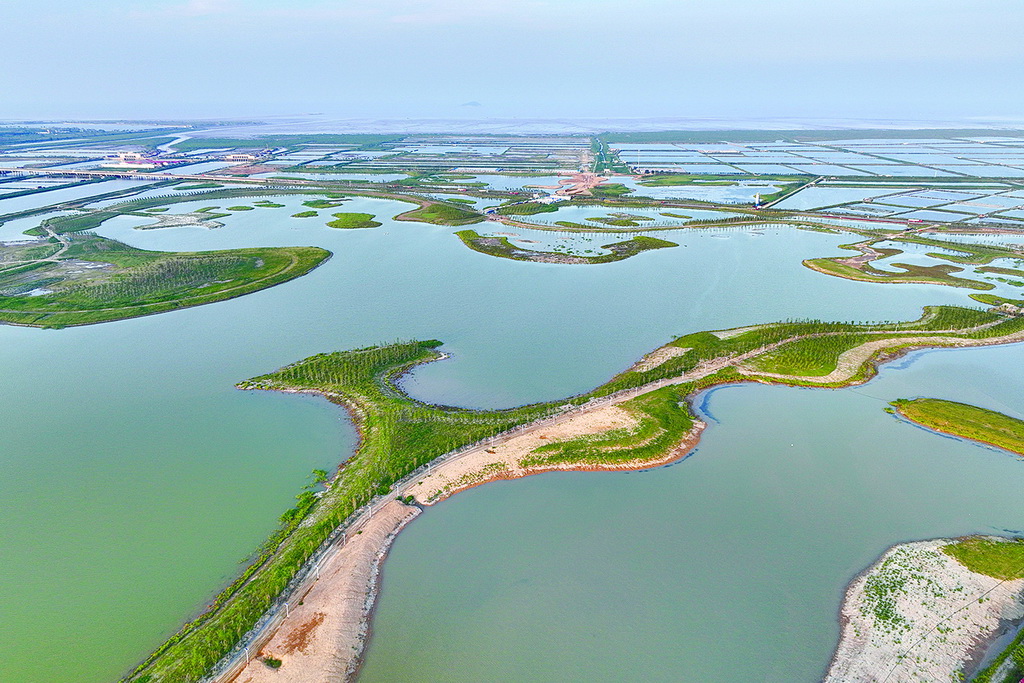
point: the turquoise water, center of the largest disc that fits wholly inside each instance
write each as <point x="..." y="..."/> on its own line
<point x="136" y="477"/>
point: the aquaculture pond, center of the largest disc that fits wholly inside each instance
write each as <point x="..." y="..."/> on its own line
<point x="600" y="216"/>
<point x="137" y="478"/>
<point x="730" y="193"/>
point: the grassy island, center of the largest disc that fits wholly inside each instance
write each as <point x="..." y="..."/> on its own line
<point x="352" y="221"/>
<point x="965" y="421"/>
<point x="401" y="435"/>
<point x="441" y="214"/>
<point x="500" y="246"/>
<point x="526" y="209"/>
<point x="85" y="279"/>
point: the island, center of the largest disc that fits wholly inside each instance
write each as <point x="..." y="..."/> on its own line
<point x="965" y="421"/>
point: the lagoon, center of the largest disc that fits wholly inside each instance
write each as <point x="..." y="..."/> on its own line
<point x="140" y="477"/>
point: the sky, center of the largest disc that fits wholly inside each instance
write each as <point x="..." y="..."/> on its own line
<point x="927" y="60"/>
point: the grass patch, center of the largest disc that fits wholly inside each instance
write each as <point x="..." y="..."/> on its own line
<point x="199" y="186"/>
<point x="610" y="190"/>
<point x="441" y="214"/>
<point x="1000" y="559"/>
<point x="526" y="209"/>
<point x="323" y="203"/>
<point x="305" y="214"/>
<point x="351" y="221"/>
<point x="965" y="421"/>
<point x="135" y="282"/>
<point x="239" y="208"/>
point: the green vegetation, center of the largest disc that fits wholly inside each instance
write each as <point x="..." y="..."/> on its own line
<point x="400" y="435"/>
<point x="349" y="221"/>
<point x="622" y="220"/>
<point x="199" y="186"/>
<point x="1001" y="559"/>
<point x="305" y="214"/>
<point x="1001" y="271"/>
<point x="940" y="274"/>
<point x="993" y="300"/>
<point x="663" y="417"/>
<point x="610" y="190"/>
<point x="441" y="214"/>
<point x="676" y="179"/>
<point x="134" y="282"/>
<point x="272" y="662"/>
<point x="323" y="203"/>
<point x="965" y="421"/>
<point x="526" y="209"/>
<point x="500" y="246"/>
<point x="239" y="208"/>
<point x="264" y="204"/>
<point x="159" y="209"/>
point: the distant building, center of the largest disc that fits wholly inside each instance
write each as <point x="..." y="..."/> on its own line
<point x="241" y="157"/>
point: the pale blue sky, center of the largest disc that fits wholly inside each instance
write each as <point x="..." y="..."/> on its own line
<point x="904" y="59"/>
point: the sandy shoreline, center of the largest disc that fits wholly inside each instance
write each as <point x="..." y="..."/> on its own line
<point x="323" y="638"/>
<point x="919" y="615"/>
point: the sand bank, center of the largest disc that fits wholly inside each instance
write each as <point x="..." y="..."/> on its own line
<point x="919" y="615"/>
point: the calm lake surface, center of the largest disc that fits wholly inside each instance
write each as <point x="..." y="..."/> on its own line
<point x="136" y="478"/>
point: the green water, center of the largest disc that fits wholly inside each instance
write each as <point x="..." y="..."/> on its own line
<point x="135" y="478"/>
<point x="729" y="566"/>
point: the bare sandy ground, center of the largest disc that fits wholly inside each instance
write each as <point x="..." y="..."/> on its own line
<point x="323" y="636"/>
<point x="322" y="639"/>
<point x="658" y="357"/>
<point x="943" y="615"/>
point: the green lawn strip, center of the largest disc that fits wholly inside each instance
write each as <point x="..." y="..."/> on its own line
<point x="441" y="214"/>
<point x="993" y="300"/>
<point x="965" y="421"/>
<point x="199" y="186"/>
<point x="240" y="207"/>
<point x="145" y="282"/>
<point x="264" y="204"/>
<point x="1002" y="271"/>
<point x="349" y="221"/>
<point x="305" y="214"/>
<point x="501" y="247"/>
<point x="526" y="209"/>
<point x="400" y="434"/>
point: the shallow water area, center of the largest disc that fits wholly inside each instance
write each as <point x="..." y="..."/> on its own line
<point x="142" y="498"/>
<point x="730" y="565"/>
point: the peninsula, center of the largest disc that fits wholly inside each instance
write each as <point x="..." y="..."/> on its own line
<point x="413" y="454"/>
